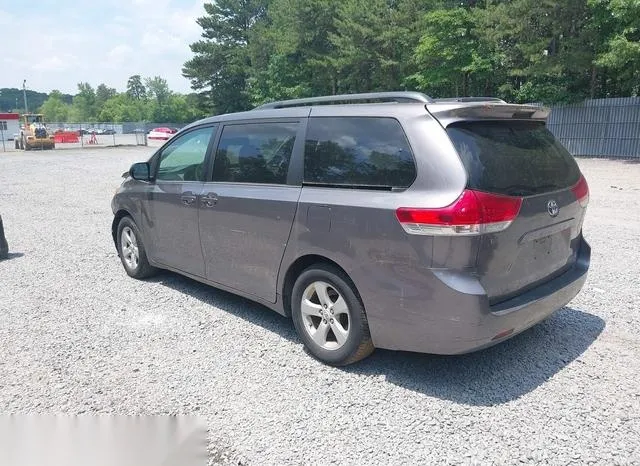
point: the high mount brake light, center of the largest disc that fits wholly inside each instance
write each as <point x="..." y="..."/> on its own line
<point x="473" y="213"/>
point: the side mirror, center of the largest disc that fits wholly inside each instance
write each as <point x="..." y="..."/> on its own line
<point x="140" y="171"/>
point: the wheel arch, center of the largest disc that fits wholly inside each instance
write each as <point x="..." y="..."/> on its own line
<point x="120" y="214"/>
<point x="297" y="267"/>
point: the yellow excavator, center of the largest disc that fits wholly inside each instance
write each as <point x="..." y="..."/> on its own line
<point x="34" y="133"/>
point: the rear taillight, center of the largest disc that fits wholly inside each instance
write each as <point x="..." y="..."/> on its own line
<point x="581" y="190"/>
<point x="473" y="213"/>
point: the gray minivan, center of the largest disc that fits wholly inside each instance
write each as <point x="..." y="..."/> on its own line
<point x="384" y="220"/>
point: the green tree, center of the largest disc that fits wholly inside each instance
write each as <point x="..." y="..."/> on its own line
<point x="619" y="54"/>
<point x="104" y="93"/>
<point x="290" y="51"/>
<point x="158" y="89"/>
<point x="373" y="43"/>
<point x="84" y="107"/>
<point x="135" y="88"/>
<point x="220" y="67"/>
<point x="54" y="108"/>
<point x="445" y="53"/>
<point x="158" y="94"/>
<point x="181" y="109"/>
<point x="122" y="107"/>
<point x="546" y="48"/>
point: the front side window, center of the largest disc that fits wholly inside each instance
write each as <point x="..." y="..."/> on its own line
<point x="255" y="153"/>
<point x="358" y="152"/>
<point x="184" y="158"/>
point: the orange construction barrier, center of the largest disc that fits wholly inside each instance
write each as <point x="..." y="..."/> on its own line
<point x="66" y="136"/>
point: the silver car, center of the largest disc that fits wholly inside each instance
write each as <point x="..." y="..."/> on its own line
<point x="386" y="220"/>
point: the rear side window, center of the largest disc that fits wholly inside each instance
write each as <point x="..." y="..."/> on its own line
<point x="255" y="153"/>
<point x="358" y="152"/>
<point x="518" y="158"/>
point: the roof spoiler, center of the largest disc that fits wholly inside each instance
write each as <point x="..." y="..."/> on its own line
<point x="447" y="113"/>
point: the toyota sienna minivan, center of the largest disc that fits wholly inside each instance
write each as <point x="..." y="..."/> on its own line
<point x="385" y="220"/>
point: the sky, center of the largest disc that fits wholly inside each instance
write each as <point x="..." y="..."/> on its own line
<point x="55" y="44"/>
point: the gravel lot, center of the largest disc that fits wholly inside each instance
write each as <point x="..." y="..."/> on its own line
<point x="78" y="336"/>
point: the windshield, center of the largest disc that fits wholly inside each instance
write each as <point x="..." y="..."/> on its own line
<point x="34" y="119"/>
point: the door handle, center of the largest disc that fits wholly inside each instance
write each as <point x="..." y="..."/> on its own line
<point x="209" y="200"/>
<point x="188" y="198"/>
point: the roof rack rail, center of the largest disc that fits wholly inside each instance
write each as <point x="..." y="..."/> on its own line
<point x="350" y="98"/>
<point x="468" y="99"/>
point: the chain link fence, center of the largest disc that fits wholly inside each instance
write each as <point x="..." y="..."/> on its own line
<point x="599" y="127"/>
<point x="88" y="135"/>
<point x="594" y="128"/>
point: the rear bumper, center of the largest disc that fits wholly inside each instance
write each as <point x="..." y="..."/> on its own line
<point x="456" y="317"/>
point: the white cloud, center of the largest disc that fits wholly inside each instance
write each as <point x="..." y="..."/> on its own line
<point x="62" y="62"/>
<point x="119" y="55"/>
<point x="106" y="44"/>
<point x="157" y="5"/>
<point x="6" y="18"/>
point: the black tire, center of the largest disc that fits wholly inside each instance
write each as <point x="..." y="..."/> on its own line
<point x="358" y="344"/>
<point x="140" y="269"/>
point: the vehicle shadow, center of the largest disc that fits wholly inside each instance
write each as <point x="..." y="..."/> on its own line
<point x="12" y="255"/>
<point x="493" y="376"/>
<point x="244" y="308"/>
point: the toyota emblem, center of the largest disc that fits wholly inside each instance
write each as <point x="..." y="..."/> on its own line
<point x="552" y="208"/>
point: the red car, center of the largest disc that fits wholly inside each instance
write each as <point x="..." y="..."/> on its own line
<point x="162" y="133"/>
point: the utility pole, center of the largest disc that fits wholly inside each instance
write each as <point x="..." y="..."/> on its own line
<point x="4" y="149"/>
<point x="24" y="93"/>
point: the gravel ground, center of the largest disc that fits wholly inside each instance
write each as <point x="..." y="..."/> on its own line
<point x="78" y="336"/>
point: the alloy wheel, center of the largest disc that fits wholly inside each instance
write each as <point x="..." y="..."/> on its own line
<point x="129" y="245"/>
<point x="325" y="315"/>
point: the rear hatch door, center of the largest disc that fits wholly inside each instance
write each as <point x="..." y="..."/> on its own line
<point x="521" y="158"/>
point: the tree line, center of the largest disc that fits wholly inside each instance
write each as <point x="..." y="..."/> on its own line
<point x="255" y="51"/>
<point x="548" y="51"/>
<point x="148" y="99"/>
<point x="12" y="99"/>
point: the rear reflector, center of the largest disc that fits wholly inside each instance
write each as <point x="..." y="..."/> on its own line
<point x="581" y="190"/>
<point x="500" y="335"/>
<point x="473" y="213"/>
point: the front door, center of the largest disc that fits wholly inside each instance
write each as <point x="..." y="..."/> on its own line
<point x="247" y="210"/>
<point x="181" y="168"/>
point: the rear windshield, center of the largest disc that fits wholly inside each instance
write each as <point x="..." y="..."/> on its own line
<point x="518" y="158"/>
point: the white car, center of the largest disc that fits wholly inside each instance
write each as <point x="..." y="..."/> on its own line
<point x="162" y="134"/>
